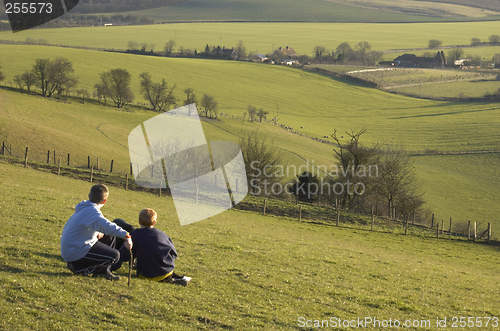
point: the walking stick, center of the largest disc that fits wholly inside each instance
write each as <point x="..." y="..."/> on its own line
<point x="130" y="267"/>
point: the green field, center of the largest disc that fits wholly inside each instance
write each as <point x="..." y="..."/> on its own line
<point x="431" y="83"/>
<point x="486" y="52"/>
<point x="266" y="37"/>
<point x="315" y="102"/>
<point x="249" y="271"/>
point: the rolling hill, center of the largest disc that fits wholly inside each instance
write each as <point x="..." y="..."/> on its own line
<point x="460" y="186"/>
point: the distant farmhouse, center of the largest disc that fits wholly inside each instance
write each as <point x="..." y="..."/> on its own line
<point x="413" y="61"/>
<point x="287" y="51"/>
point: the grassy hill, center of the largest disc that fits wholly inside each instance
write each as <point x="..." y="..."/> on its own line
<point x="464" y="187"/>
<point x="267" y="37"/>
<point x="319" y="11"/>
<point x="249" y="271"/>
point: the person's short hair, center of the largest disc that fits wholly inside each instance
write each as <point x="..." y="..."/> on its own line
<point x="147" y="217"/>
<point x="98" y="193"/>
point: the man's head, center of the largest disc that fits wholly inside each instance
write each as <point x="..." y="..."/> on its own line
<point x="98" y="194"/>
<point x="147" y="217"/>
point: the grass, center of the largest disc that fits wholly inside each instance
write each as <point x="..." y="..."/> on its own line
<point x="314" y="102"/>
<point x="335" y="103"/>
<point x="486" y="52"/>
<point x="284" y="11"/>
<point x="433" y="83"/>
<point x="302" y="37"/>
<point x="244" y="277"/>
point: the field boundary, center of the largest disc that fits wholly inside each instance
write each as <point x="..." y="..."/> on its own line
<point x="314" y="213"/>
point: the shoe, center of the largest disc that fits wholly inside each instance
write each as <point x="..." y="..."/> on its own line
<point x="184" y="281"/>
<point x="108" y="275"/>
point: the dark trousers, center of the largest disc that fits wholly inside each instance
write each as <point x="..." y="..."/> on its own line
<point x="97" y="261"/>
<point x="102" y="255"/>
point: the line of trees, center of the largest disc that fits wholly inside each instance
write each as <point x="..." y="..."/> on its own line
<point x="55" y="77"/>
<point x="392" y="187"/>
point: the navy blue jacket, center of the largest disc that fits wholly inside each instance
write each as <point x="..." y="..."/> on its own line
<point x="154" y="251"/>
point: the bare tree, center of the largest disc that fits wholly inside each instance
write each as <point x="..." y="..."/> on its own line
<point x="475" y="41"/>
<point x="159" y="95"/>
<point x="261" y="113"/>
<point x="362" y="47"/>
<point x="169" y="46"/>
<point x="397" y="182"/>
<point x="252" y="112"/>
<point x="352" y="159"/>
<point x="133" y="45"/>
<point x="54" y="76"/>
<point x="115" y="85"/>
<point x="261" y="159"/>
<point x="455" y="54"/>
<point x="208" y="102"/>
<point x="318" y="52"/>
<point x="28" y="79"/>
<point x="343" y="51"/>
<point x="190" y="96"/>
<point x="494" y="39"/>
<point x="433" y="43"/>
<point x="84" y="93"/>
<point x="241" y="51"/>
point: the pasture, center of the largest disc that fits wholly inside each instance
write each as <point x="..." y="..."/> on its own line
<point x="312" y="104"/>
<point x="317" y="103"/>
<point x="266" y="37"/>
<point x="249" y="271"/>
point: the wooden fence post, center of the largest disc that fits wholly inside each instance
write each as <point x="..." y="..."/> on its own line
<point x="442" y="227"/>
<point x="26" y="158"/>
<point x="59" y="167"/>
<point x="91" y="173"/>
<point x="489" y="232"/>
<point x="111" y="168"/>
<point x="413" y="220"/>
<point x="68" y="159"/>
<point x="264" y="208"/>
<point x="449" y="232"/>
<point x="48" y="156"/>
<point x="432" y="222"/>
<point x="126" y="182"/>
<point x="319" y="197"/>
<point x="131" y="170"/>
<point x="468" y="225"/>
<point x="3" y="148"/>
<point x="300" y="213"/>
<point x="54" y="157"/>
<point x="437" y="230"/>
<point x="475" y="230"/>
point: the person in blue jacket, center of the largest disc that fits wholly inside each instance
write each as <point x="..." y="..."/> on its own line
<point x="154" y="251"/>
<point x="80" y="247"/>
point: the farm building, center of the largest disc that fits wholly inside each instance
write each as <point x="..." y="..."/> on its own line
<point x="413" y="61"/>
<point x="287" y="51"/>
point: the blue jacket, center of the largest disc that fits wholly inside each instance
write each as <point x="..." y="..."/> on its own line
<point x="154" y="250"/>
<point x="80" y="232"/>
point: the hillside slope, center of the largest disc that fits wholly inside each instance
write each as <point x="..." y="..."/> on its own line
<point x="248" y="270"/>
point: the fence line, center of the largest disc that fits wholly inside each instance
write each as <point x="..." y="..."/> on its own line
<point x="487" y="234"/>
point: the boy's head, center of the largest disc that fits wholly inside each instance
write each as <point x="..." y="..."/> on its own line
<point x="99" y="194"/>
<point x="147" y="217"/>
